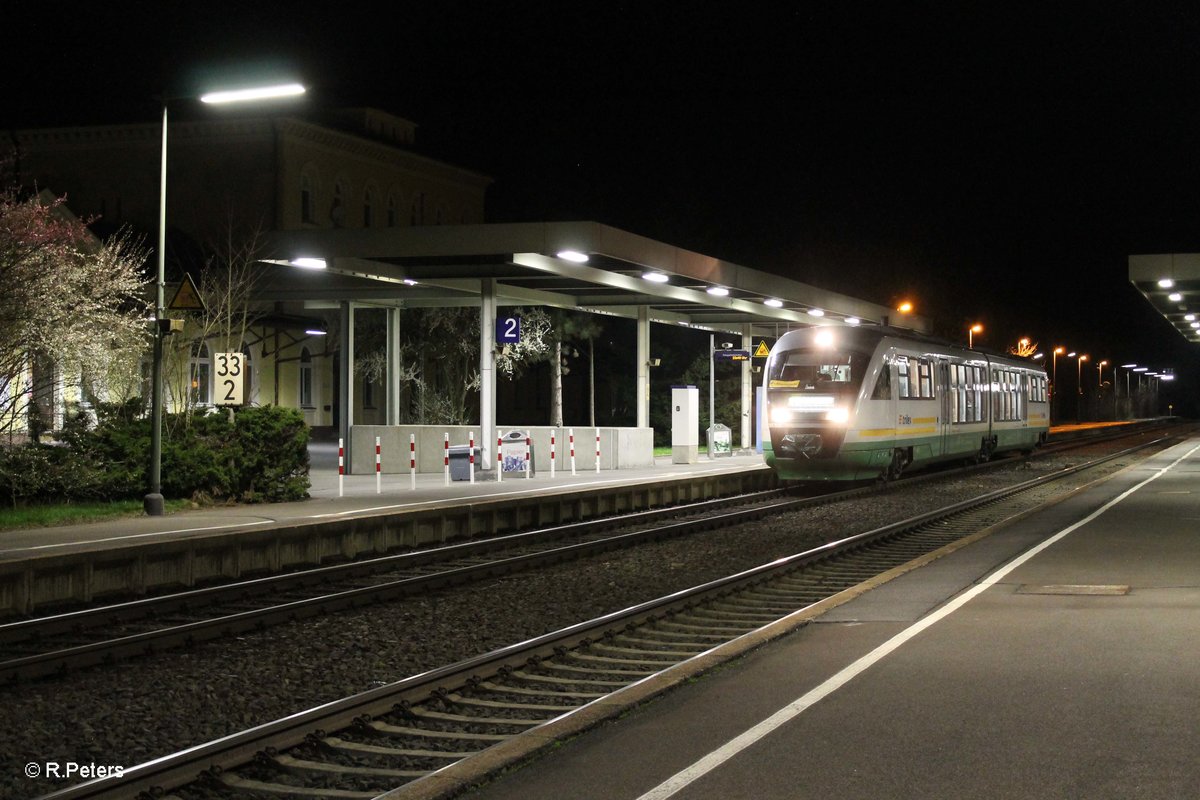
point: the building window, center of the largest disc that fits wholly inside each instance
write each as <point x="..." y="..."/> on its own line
<point x="306" y="200"/>
<point x="201" y="375"/>
<point x="306" y="379"/>
<point x="367" y="211"/>
<point x="337" y="211"/>
<point x="392" y="217"/>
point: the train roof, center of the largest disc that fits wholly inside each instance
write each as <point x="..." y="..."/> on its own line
<point x="876" y="333"/>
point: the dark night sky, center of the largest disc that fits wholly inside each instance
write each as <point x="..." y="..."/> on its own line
<point x="996" y="165"/>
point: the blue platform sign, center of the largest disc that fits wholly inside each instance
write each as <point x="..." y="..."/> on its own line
<point x="508" y="330"/>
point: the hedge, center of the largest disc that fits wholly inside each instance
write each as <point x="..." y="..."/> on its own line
<point x="261" y="455"/>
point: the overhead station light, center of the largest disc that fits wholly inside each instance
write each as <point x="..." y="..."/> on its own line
<point x="1175" y="297"/>
<point x="773" y="302"/>
<point x="1190" y="317"/>
<point x="573" y="255"/>
<point x="1166" y="283"/>
<point x="853" y="321"/>
<point x="718" y="291"/>
<point x="1128" y="366"/>
<point x="656" y="277"/>
<point x="409" y="282"/>
<point x="315" y="332"/>
<point x="257" y="93"/>
<point x="308" y="263"/>
<point x="1142" y="369"/>
<point x="816" y="312"/>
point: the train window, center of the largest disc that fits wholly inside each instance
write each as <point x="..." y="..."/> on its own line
<point x="925" y="372"/>
<point x="883" y="384"/>
<point x="903" y="378"/>
<point x="816" y="371"/>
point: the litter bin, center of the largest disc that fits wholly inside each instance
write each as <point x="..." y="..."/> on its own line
<point x="720" y="441"/>
<point x="512" y="452"/>
<point x="460" y="462"/>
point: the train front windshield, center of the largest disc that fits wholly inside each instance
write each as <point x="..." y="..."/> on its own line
<point x="819" y="371"/>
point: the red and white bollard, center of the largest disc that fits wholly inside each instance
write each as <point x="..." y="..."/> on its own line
<point x="412" y="460"/>
<point x="378" y="467"/>
<point x="597" y="451"/>
<point x="499" y="458"/>
<point x="571" y="438"/>
<point x="528" y="450"/>
<point x="446" y="458"/>
<point x="471" y="455"/>
<point x="552" y="433"/>
<point x="341" y="467"/>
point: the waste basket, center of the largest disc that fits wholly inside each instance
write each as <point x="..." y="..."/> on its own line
<point x="460" y="462"/>
<point x="512" y="452"/>
<point x="720" y="441"/>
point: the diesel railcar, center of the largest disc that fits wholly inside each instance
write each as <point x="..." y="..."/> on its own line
<point x="858" y="403"/>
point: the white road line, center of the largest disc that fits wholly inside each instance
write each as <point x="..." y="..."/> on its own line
<point x="127" y="537"/>
<point x="734" y="746"/>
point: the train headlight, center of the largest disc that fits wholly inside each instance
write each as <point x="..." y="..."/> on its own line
<point x="838" y="416"/>
<point x="780" y="415"/>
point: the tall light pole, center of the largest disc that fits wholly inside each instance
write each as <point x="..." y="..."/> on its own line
<point x="153" y="501"/>
<point x="971" y="331"/>
<point x="1100" y="377"/>
<point x="1058" y="351"/>
<point x="1079" y="387"/>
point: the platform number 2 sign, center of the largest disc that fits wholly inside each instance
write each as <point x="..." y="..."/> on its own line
<point x="230" y="369"/>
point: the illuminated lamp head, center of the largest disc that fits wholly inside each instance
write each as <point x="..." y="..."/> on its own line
<point x="824" y="338"/>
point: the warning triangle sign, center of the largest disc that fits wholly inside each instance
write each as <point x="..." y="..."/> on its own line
<point x="187" y="296"/>
<point x="762" y="351"/>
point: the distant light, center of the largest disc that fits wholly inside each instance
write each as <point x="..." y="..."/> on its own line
<point x="1071" y="354"/>
<point x="905" y="307"/>
<point x="853" y="321"/>
<point x="1128" y="366"/>
<point x="718" y="291"/>
<point x="1190" y="317"/>
<point x="257" y="93"/>
<point x="824" y="338"/>
<point x="1196" y="324"/>
<point x="1142" y="369"/>
<point x="1039" y="355"/>
<point x="656" y="277"/>
<point x="1166" y="376"/>
<point x="816" y="312"/>
<point x="309" y="263"/>
<point x="573" y="255"/>
<point x="409" y="282"/>
<point x="773" y="302"/>
<point x="314" y="332"/>
<point x="1174" y="297"/>
<point x="1166" y="283"/>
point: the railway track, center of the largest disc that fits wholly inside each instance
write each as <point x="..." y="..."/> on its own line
<point x="50" y="645"/>
<point x="397" y="734"/>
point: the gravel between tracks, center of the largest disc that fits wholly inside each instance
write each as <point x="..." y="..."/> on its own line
<point x="129" y="713"/>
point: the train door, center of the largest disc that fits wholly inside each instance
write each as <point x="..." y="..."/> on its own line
<point x="944" y="401"/>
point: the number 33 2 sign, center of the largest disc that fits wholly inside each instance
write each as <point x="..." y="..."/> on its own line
<point x="230" y="369"/>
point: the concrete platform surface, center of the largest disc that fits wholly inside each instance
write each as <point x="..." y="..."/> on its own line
<point x="1056" y="658"/>
<point x="359" y="499"/>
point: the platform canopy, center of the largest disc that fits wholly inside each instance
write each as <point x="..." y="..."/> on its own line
<point x="1171" y="282"/>
<point x="543" y="264"/>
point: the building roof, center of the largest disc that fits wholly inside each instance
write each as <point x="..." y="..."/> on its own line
<point x="1171" y="283"/>
<point x="526" y="262"/>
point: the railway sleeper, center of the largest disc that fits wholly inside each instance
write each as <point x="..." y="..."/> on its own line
<point x="636" y="662"/>
<point x="556" y="681"/>
<point x="632" y="675"/>
<point x="467" y="719"/>
<point x="334" y="743"/>
<point x="476" y="702"/>
<point x="401" y="730"/>
<point x="641" y="651"/>
<point x="695" y="624"/>
<point x="522" y="690"/>
<point x="291" y="763"/>
<point x="247" y="785"/>
<point x="694" y="647"/>
<point x="750" y="616"/>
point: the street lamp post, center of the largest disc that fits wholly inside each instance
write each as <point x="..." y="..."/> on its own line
<point x="1079" y="388"/>
<point x="971" y="331"/>
<point x="1058" y="351"/>
<point x="153" y="501"/>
